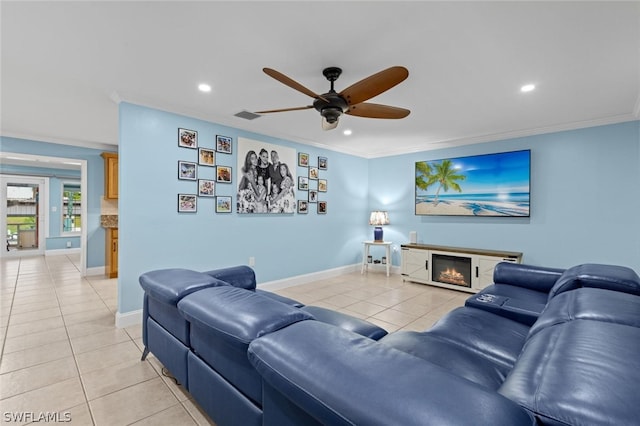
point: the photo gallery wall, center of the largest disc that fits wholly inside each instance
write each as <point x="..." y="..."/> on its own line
<point x="265" y="177"/>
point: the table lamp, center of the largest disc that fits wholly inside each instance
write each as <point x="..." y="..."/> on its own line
<point x="377" y="219"/>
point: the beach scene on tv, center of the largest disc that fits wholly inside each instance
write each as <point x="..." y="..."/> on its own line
<point x="480" y="185"/>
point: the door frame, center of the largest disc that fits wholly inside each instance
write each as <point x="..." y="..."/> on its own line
<point x="43" y="217"/>
<point x="52" y="162"/>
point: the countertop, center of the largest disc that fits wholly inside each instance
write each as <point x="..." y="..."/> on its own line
<point x="109" y="220"/>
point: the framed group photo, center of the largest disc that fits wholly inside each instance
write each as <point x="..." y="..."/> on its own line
<point x="206" y="157"/>
<point x="187" y="138"/>
<point x="187" y="170"/>
<point x="266" y="178"/>
<point x="224" y="144"/>
<point x="322" y="163"/>
<point x="187" y="203"/>
<point x="303" y="159"/>
<point x="223" y="204"/>
<point x="206" y="188"/>
<point x="303" y="183"/>
<point x="223" y="174"/>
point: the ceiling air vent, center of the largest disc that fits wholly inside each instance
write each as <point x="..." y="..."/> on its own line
<point x="247" y="115"/>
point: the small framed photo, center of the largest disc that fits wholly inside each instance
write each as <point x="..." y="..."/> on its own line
<point x="322" y="185"/>
<point x="187" y="170"/>
<point x="206" y="188"/>
<point x="322" y="207"/>
<point x="223" y="204"/>
<point x="313" y="196"/>
<point x="187" y="203"/>
<point x="224" y="144"/>
<point x="303" y="159"/>
<point x="303" y="183"/>
<point x="187" y="138"/>
<point x="223" y="174"/>
<point x="322" y="163"/>
<point x="313" y="173"/>
<point x="303" y="206"/>
<point x="206" y="157"/>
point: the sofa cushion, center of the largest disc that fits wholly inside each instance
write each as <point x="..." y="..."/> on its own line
<point x="590" y="304"/>
<point x="170" y="285"/>
<point x="470" y="343"/>
<point x="536" y="278"/>
<point x="458" y="360"/>
<point x="610" y="277"/>
<point x="237" y="314"/>
<point x="493" y="337"/>
<point x="346" y="322"/>
<point x="579" y="373"/>
<point x="281" y="299"/>
<point x="341" y="378"/>
<point x="224" y="320"/>
<point x="241" y="276"/>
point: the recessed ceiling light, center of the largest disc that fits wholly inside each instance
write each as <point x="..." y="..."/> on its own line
<point x="203" y="87"/>
<point x="347" y="132"/>
<point x="527" y="87"/>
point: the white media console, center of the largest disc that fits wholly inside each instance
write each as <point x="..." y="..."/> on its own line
<point x="457" y="268"/>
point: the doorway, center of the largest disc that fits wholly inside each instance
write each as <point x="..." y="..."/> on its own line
<point x="31" y="160"/>
<point x="23" y="215"/>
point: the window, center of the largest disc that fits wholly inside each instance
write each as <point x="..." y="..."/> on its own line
<point x="71" y="207"/>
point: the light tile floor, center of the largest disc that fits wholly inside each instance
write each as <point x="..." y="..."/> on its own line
<point x="61" y="352"/>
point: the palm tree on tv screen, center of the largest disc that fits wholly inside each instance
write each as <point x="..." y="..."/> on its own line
<point x="445" y="175"/>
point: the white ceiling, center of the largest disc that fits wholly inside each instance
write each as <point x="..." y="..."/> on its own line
<point x="65" y="65"/>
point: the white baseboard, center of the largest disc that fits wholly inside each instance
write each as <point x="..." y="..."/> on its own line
<point x="135" y="317"/>
<point x="307" y="278"/>
<point x="96" y="270"/>
<point x="59" y="252"/>
<point x="128" y="319"/>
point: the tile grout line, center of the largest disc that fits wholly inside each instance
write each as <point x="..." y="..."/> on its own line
<point x="66" y="330"/>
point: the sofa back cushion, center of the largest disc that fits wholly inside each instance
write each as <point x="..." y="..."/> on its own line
<point x="536" y="278"/>
<point x="579" y="373"/>
<point x="241" y="276"/>
<point x="593" y="304"/>
<point x="224" y="320"/>
<point x="609" y="277"/>
<point x="170" y="285"/>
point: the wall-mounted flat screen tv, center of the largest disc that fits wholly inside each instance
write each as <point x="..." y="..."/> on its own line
<point x="480" y="185"/>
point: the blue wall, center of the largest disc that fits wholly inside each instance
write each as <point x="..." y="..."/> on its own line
<point x="153" y="235"/>
<point x="585" y="202"/>
<point x="95" y="184"/>
<point x="584" y="207"/>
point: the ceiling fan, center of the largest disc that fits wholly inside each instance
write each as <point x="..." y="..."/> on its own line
<point x="332" y="105"/>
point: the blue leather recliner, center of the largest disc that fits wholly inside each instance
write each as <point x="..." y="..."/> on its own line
<point x="568" y="354"/>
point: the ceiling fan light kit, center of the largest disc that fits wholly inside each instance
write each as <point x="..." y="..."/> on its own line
<point x="351" y="101"/>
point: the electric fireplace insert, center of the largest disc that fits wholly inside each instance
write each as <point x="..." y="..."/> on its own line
<point x="454" y="270"/>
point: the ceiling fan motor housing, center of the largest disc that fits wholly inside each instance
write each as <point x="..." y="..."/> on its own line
<point x="333" y="109"/>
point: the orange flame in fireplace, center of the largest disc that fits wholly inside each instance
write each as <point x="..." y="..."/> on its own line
<point x="453" y="277"/>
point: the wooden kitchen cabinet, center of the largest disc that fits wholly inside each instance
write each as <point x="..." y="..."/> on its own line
<point x="110" y="175"/>
<point x="111" y="251"/>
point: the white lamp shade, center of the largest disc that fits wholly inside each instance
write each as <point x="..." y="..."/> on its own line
<point x="378" y="218"/>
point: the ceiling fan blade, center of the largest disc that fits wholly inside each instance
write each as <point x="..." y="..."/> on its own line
<point x="374" y="85"/>
<point x="291" y="83"/>
<point x="284" y="109"/>
<point x="377" y="111"/>
<point x="328" y="126"/>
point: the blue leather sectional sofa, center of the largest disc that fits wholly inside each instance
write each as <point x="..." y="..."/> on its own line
<point x="541" y="346"/>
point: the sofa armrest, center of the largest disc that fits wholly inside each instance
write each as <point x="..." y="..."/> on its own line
<point x="536" y="278"/>
<point x="339" y="377"/>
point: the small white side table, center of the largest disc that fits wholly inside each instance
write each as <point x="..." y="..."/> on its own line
<point x="367" y="244"/>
